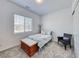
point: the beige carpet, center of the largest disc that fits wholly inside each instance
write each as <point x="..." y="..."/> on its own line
<point x="51" y="50"/>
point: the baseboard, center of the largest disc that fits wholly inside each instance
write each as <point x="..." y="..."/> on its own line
<point x="9" y="47"/>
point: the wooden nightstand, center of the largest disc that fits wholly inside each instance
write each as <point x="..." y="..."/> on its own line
<point x="29" y="46"/>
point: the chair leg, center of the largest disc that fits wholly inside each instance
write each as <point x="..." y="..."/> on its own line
<point x="65" y="47"/>
<point x="70" y="45"/>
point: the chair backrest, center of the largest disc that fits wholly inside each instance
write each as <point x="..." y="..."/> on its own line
<point x="67" y="36"/>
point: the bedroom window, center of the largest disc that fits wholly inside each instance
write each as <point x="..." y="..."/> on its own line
<point x="28" y="24"/>
<point x="22" y="24"/>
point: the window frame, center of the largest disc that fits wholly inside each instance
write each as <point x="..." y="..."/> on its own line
<point x="24" y="24"/>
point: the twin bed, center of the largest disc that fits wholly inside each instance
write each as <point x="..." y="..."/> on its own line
<point x="41" y="38"/>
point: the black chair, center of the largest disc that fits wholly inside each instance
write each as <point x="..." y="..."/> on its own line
<point x="66" y="40"/>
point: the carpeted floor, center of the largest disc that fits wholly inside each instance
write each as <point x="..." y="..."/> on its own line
<point x="51" y="50"/>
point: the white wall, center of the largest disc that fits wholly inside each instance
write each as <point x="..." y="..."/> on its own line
<point x="76" y="31"/>
<point x="60" y="22"/>
<point x="7" y="37"/>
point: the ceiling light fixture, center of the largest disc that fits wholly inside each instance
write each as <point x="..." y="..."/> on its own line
<point x="39" y="1"/>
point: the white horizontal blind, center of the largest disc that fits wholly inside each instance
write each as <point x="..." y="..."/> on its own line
<point x="28" y="24"/>
<point x="22" y="24"/>
<point x="18" y="23"/>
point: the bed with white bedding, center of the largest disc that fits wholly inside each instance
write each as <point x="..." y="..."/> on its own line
<point x="42" y="39"/>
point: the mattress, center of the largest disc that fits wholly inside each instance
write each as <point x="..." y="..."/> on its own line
<point x="41" y="39"/>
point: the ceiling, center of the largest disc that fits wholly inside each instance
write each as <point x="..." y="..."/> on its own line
<point x="46" y="7"/>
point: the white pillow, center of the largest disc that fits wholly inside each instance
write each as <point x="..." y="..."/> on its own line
<point x="42" y="32"/>
<point x="48" y="33"/>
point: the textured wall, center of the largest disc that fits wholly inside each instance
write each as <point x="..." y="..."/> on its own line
<point x="7" y="37"/>
<point x="60" y="22"/>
